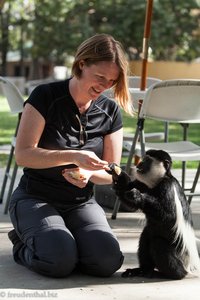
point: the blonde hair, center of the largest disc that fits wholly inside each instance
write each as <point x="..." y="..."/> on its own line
<point x="103" y="47"/>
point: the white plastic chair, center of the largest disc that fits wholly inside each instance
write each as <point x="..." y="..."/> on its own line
<point x="175" y="101"/>
<point x="134" y="82"/>
<point x="15" y="102"/>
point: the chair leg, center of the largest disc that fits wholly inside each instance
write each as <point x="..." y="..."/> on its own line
<point x="128" y="167"/>
<point x="14" y="173"/>
<point x="6" y="175"/>
<point x="196" y="178"/>
<point x="115" y="209"/>
<point x="132" y="150"/>
<point x="166" y="132"/>
<point x="185" y="136"/>
<point x="183" y="174"/>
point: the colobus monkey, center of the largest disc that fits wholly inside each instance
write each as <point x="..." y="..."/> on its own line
<point x="167" y="243"/>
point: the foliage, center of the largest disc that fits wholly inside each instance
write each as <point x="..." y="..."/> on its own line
<point x="179" y="30"/>
<point x="52" y="30"/>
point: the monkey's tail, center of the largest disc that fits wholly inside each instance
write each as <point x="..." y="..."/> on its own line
<point x="184" y="233"/>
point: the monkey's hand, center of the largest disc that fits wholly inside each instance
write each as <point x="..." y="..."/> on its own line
<point x="120" y="178"/>
<point x="132" y="199"/>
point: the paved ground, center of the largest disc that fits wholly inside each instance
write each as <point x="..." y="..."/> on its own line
<point x="20" y="283"/>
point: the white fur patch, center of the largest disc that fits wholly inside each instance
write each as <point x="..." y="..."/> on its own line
<point x="185" y="232"/>
<point x="156" y="173"/>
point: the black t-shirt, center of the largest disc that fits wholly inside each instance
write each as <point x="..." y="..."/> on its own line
<point x="66" y="128"/>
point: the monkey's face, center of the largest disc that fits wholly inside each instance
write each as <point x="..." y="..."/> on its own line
<point x="150" y="171"/>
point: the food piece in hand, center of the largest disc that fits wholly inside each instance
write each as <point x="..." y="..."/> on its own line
<point x="114" y="169"/>
<point x="117" y="169"/>
<point x="120" y="178"/>
<point x="76" y="175"/>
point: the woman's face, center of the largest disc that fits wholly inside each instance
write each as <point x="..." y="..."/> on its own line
<point x="97" y="78"/>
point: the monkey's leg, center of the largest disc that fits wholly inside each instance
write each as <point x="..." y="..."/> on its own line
<point x="166" y="260"/>
<point x="133" y="272"/>
<point x="146" y="263"/>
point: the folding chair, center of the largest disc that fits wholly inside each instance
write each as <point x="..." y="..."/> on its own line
<point x="15" y="102"/>
<point x="134" y="88"/>
<point x="134" y="81"/>
<point x="176" y="101"/>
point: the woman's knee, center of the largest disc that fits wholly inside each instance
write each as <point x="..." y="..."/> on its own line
<point x="103" y="267"/>
<point x="102" y="262"/>
<point x="55" y="253"/>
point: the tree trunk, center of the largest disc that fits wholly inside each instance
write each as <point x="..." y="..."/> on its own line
<point x="5" y="20"/>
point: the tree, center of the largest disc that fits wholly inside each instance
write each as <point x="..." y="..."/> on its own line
<point x="4" y="42"/>
<point x="176" y="30"/>
<point x="51" y="30"/>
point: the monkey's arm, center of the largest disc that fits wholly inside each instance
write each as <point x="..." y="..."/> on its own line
<point x="159" y="207"/>
<point x="133" y="199"/>
<point x="120" y="178"/>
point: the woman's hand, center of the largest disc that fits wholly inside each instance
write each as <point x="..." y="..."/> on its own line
<point x="77" y="176"/>
<point x="89" y="160"/>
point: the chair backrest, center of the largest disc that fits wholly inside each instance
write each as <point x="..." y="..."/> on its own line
<point x="13" y="95"/>
<point x="175" y="100"/>
<point x="134" y="81"/>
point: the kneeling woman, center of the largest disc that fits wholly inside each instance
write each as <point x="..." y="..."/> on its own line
<point x="67" y="136"/>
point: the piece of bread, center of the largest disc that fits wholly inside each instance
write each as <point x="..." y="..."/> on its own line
<point x="117" y="170"/>
<point x="76" y="175"/>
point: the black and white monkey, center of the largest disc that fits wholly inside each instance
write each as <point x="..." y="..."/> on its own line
<point x="167" y="243"/>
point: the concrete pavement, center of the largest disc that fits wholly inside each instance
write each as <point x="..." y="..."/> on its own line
<point x="19" y="283"/>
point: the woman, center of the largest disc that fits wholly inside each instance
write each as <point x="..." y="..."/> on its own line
<point x="69" y="132"/>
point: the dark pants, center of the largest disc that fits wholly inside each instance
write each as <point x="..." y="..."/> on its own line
<point x="53" y="242"/>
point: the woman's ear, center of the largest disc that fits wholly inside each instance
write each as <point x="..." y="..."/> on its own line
<point x="81" y="64"/>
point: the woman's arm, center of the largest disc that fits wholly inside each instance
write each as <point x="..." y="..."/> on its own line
<point x="28" y="153"/>
<point x="111" y="153"/>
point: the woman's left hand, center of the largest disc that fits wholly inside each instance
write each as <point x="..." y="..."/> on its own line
<point x="77" y="176"/>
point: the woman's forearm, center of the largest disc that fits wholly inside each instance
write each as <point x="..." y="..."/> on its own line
<point x="101" y="177"/>
<point x="38" y="158"/>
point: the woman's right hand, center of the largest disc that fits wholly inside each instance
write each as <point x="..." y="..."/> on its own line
<point x="77" y="176"/>
<point x="89" y="160"/>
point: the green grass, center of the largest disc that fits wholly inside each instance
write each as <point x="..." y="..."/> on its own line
<point x="175" y="130"/>
<point x="8" y="123"/>
<point x="7" y="126"/>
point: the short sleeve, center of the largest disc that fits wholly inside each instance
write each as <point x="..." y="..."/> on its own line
<point x="112" y="110"/>
<point x="41" y="99"/>
<point x="116" y="120"/>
